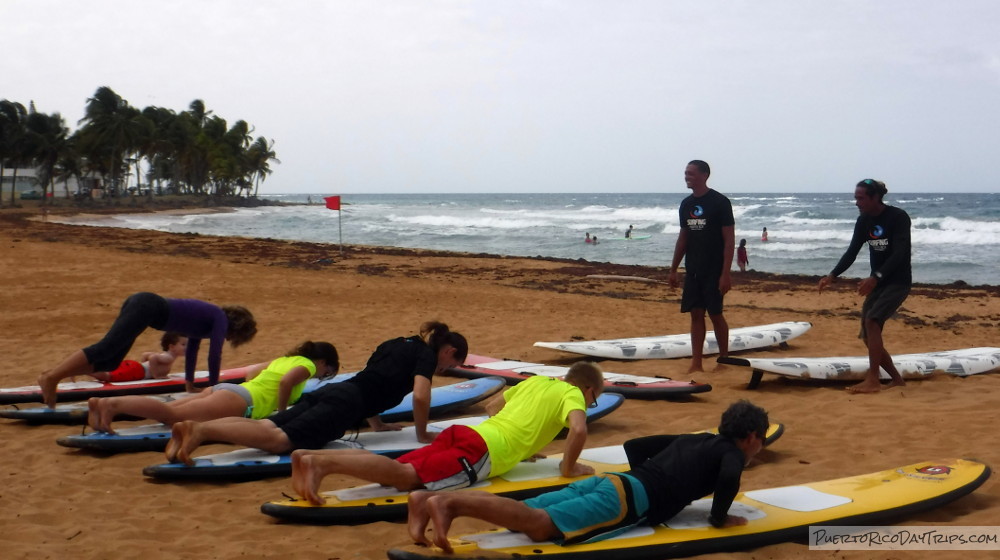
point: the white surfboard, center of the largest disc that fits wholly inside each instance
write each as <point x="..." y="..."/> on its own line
<point x="963" y="362"/>
<point x="679" y="345"/>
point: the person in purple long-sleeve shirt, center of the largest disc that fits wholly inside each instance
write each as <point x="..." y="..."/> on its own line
<point x="192" y="318"/>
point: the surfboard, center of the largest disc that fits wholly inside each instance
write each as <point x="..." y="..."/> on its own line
<point x="251" y="464"/>
<point x="963" y="362"/>
<point x="774" y="514"/>
<point x="373" y="502"/>
<point x="154" y="437"/>
<point x="630" y="386"/>
<point x="82" y="390"/>
<point x="679" y="345"/>
<point x="69" y="413"/>
<point x="633" y="238"/>
<point x="77" y="412"/>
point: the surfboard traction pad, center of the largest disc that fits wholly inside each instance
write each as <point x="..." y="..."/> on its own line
<point x="630" y="386"/>
<point x="775" y="515"/>
<point x="962" y="363"/>
<point x="372" y="502"/>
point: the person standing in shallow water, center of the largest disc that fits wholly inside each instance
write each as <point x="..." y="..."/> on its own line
<point x="741" y="256"/>
<point x="706" y="243"/>
<point x="886" y="231"/>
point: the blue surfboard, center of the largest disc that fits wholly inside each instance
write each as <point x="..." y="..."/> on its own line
<point x="252" y="464"/>
<point x="154" y="437"/>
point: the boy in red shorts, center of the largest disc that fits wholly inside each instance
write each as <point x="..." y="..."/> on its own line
<point x="155" y="365"/>
<point x="533" y="413"/>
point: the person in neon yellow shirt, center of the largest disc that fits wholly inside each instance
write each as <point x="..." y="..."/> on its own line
<point x="526" y="418"/>
<point x="271" y="387"/>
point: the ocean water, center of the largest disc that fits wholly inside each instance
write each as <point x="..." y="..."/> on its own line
<point x="955" y="236"/>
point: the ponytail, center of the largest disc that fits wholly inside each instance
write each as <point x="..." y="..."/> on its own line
<point x="318" y="351"/>
<point x="437" y="334"/>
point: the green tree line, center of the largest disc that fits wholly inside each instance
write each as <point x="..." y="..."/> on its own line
<point x="190" y="152"/>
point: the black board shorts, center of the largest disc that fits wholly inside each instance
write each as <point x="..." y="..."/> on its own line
<point x="322" y="416"/>
<point x="701" y="292"/>
<point x="882" y="304"/>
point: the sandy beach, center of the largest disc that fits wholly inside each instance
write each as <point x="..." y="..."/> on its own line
<point x="63" y="285"/>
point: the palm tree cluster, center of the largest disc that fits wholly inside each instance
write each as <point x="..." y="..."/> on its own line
<point x="191" y="152"/>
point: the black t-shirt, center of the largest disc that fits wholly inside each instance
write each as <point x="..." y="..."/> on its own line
<point x="888" y="239"/>
<point x="690" y="467"/>
<point x="704" y="217"/>
<point x="391" y="369"/>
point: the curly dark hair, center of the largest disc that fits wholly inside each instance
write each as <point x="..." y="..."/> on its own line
<point x="242" y="325"/>
<point x="743" y="418"/>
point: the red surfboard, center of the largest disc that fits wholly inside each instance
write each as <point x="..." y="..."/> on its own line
<point x="82" y="390"/>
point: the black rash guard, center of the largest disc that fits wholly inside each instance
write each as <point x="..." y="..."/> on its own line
<point x="677" y="470"/>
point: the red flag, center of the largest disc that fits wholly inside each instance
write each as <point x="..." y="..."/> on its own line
<point x="333" y="202"/>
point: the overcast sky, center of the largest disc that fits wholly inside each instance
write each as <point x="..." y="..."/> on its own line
<point x="547" y="96"/>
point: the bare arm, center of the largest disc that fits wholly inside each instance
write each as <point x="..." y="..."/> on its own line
<point x="495" y="404"/>
<point x="680" y="249"/>
<point x="575" y="441"/>
<point x="294" y="376"/>
<point x="422" y="407"/>
<point x="729" y="245"/>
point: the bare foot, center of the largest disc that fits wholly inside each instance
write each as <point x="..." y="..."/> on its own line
<point x="895" y="383"/>
<point x="440" y="512"/>
<point x="418" y="517"/>
<point x="94" y="413"/>
<point x="48" y="386"/>
<point x="866" y="386"/>
<point x="106" y="413"/>
<point x="184" y="438"/>
<point x="696" y="368"/>
<point x="305" y="481"/>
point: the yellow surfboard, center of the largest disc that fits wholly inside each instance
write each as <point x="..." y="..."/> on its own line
<point x="775" y="515"/>
<point x="373" y="502"/>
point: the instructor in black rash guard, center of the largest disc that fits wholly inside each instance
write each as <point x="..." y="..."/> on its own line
<point x="668" y="473"/>
<point x="705" y="242"/>
<point x="886" y="231"/>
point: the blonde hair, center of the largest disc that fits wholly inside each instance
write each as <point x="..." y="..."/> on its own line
<point x="586" y="375"/>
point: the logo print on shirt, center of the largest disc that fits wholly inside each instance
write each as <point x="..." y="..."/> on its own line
<point x="697" y="211"/>
<point x="876" y="232"/>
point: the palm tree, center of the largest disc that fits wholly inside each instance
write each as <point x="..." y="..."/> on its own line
<point x="46" y="139"/>
<point x="259" y="156"/>
<point x="12" y="142"/>
<point x="110" y="131"/>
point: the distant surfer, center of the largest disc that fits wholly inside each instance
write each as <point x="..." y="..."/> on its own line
<point x="706" y="243"/>
<point x="522" y="421"/>
<point x="763" y="235"/>
<point x="588" y="239"/>
<point x="667" y="473"/>
<point x="886" y="231"/>
<point x="741" y="256"/>
<point x="628" y="232"/>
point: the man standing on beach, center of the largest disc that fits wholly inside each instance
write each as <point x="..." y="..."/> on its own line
<point x="705" y="243"/>
<point x="886" y="230"/>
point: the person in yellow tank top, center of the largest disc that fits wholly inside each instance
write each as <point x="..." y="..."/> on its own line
<point x="272" y="387"/>
<point x="525" y="418"/>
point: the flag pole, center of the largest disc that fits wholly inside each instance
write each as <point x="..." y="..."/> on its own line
<point x="333" y="203"/>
